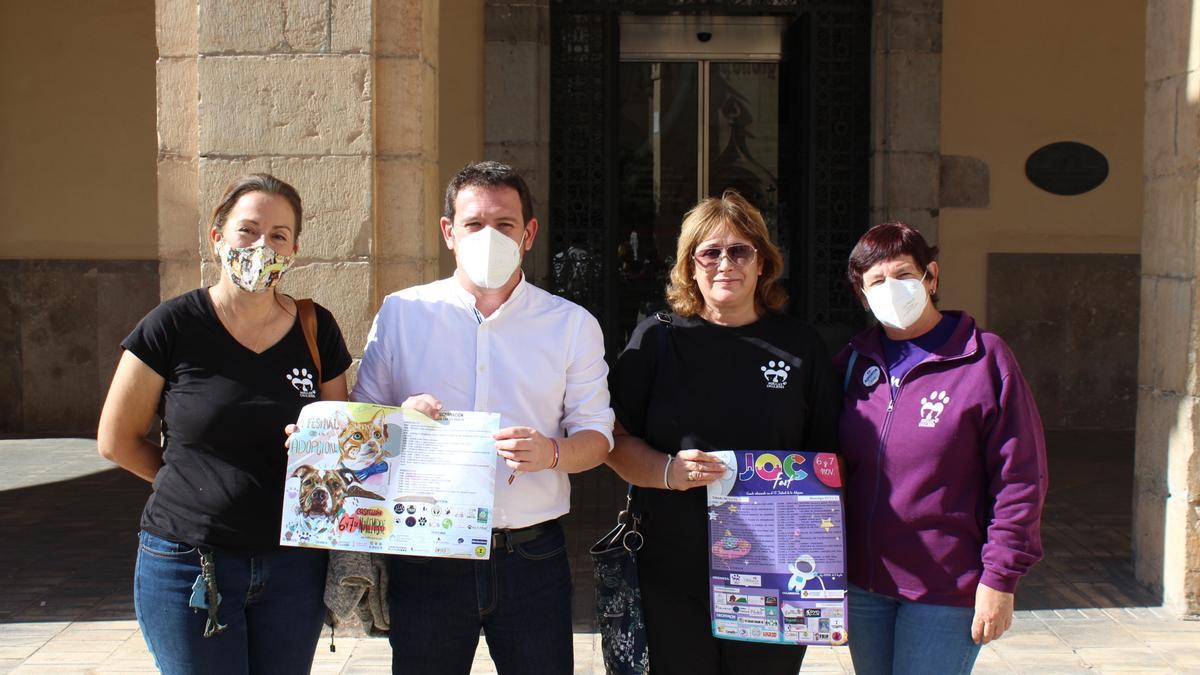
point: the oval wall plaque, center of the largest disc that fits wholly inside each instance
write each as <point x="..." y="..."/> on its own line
<point x="1067" y="168"/>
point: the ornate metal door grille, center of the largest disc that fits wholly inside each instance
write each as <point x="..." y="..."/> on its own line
<point x="828" y="86"/>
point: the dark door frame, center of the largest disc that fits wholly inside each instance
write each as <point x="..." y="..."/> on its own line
<point x="828" y="79"/>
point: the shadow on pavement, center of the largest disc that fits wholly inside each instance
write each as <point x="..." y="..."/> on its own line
<point x="67" y="548"/>
<point x="1086" y="527"/>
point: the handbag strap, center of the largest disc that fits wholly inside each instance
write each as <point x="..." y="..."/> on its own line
<point x="849" y="370"/>
<point x="308" y="325"/>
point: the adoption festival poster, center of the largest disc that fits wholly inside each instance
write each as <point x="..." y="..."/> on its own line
<point x="380" y="479"/>
<point x="777" y="550"/>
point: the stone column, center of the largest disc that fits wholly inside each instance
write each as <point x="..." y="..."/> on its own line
<point x="179" y="218"/>
<point x="338" y="98"/>
<point x="1166" y="530"/>
<point x="906" y="85"/>
<point x="516" y="96"/>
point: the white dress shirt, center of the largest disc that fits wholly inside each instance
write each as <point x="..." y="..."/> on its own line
<point x="538" y="360"/>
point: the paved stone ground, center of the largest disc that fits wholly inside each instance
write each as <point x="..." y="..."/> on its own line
<point x="68" y="526"/>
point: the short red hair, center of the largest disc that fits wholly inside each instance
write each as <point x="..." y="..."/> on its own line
<point x="887" y="241"/>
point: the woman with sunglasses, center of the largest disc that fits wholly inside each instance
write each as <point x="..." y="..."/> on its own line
<point x="726" y="369"/>
<point x="945" y="468"/>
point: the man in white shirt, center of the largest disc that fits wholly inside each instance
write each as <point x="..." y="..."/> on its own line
<point x="485" y="339"/>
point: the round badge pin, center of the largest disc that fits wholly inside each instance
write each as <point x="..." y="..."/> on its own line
<point x="871" y="376"/>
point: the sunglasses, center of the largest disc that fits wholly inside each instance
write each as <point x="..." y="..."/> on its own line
<point x="738" y="254"/>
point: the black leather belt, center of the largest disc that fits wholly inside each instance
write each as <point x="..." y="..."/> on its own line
<point x="507" y="538"/>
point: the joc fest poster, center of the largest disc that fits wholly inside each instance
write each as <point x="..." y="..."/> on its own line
<point x="777" y="563"/>
<point x="372" y="478"/>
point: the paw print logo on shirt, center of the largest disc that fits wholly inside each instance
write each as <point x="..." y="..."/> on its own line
<point x="776" y="374"/>
<point x="302" y="381"/>
<point x="932" y="407"/>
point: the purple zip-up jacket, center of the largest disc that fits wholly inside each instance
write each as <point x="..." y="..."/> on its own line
<point x="944" y="484"/>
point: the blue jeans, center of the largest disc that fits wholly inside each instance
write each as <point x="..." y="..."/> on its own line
<point x="888" y="635"/>
<point x="520" y="599"/>
<point x="271" y="604"/>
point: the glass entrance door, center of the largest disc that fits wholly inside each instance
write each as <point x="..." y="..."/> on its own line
<point x="697" y="116"/>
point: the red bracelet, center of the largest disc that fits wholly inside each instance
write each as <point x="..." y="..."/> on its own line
<point x="555" y="462"/>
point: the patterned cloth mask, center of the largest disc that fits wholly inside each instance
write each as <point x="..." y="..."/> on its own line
<point x="255" y="269"/>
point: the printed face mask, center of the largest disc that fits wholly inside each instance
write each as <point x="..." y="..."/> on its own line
<point x="897" y="302"/>
<point x="488" y="257"/>
<point x="253" y="268"/>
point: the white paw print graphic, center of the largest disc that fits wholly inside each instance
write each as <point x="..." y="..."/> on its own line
<point x="775" y="372"/>
<point x="932" y="407"/>
<point x="301" y="380"/>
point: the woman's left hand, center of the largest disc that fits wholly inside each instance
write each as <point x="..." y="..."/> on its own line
<point x="993" y="614"/>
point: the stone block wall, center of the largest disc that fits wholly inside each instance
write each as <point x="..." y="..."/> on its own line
<point x="516" y="95"/>
<point x="1042" y="305"/>
<point x="64" y="321"/>
<point x="337" y="98"/>
<point x="1167" y="474"/>
<point x="906" y="83"/>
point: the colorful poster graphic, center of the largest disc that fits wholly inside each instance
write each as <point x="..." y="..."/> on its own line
<point x="373" y="478"/>
<point x="777" y="563"/>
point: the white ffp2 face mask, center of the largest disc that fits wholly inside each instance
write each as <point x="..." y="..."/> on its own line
<point x="488" y="257"/>
<point x="897" y="302"/>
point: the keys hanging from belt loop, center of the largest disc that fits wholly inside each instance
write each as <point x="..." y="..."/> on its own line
<point x="208" y="569"/>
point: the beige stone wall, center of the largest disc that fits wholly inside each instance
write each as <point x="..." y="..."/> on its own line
<point x="460" y="96"/>
<point x="77" y="129"/>
<point x="1017" y="76"/>
<point x="339" y="99"/>
<point x="1167" y="490"/>
<point x="516" y="100"/>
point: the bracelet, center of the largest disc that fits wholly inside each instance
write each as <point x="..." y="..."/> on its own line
<point x="555" y="462"/>
<point x="666" y="468"/>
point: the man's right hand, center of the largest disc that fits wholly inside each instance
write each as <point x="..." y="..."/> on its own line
<point x="425" y="404"/>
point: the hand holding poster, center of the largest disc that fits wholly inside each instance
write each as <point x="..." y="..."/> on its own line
<point x="777" y="564"/>
<point x="373" y="478"/>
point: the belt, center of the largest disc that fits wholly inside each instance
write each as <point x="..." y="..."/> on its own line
<point x="507" y="538"/>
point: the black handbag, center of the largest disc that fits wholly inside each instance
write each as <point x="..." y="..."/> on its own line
<point x="618" y="596"/>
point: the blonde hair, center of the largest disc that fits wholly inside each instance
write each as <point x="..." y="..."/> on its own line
<point x="707" y="216"/>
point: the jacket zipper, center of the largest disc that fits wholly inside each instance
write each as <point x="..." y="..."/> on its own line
<point x="887" y="425"/>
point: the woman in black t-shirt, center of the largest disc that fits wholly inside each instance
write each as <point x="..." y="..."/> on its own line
<point x="726" y="370"/>
<point x="225" y="368"/>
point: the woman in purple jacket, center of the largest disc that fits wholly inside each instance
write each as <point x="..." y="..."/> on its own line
<point x="946" y="469"/>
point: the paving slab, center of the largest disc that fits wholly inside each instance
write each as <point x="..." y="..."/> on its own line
<point x="66" y="601"/>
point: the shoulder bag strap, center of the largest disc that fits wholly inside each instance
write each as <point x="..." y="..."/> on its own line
<point x="308" y="324"/>
<point x="632" y="503"/>
<point x="849" y="370"/>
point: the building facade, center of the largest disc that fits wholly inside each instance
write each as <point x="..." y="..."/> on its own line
<point x="1050" y="149"/>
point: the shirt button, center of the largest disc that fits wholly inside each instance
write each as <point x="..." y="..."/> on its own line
<point x="482" y="368"/>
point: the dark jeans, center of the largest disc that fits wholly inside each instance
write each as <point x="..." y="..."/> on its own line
<point x="272" y="605"/>
<point x="520" y="598"/>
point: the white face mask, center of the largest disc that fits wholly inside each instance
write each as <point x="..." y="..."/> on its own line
<point x="898" y="302"/>
<point x="488" y="257"/>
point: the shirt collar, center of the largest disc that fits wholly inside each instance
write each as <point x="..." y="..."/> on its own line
<point x="468" y="300"/>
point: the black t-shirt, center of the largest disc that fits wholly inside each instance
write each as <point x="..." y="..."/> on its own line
<point x="692" y="384"/>
<point x="224" y="409"/>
